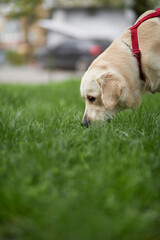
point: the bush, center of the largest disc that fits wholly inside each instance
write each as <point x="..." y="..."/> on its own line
<point x="16" y="58"/>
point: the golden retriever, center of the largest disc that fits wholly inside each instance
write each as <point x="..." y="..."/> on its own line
<point x="112" y="82"/>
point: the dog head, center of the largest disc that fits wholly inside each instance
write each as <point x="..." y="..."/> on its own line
<point x="105" y="94"/>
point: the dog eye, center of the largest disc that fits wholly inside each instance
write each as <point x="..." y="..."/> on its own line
<point x="91" y="99"/>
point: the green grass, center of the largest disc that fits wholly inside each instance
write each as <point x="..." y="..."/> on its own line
<point x="60" y="181"/>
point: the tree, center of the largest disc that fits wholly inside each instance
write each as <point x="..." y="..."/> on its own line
<point x="111" y="3"/>
<point x="139" y="6"/>
<point x="26" y="10"/>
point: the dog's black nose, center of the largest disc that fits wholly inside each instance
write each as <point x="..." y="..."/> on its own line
<point x="85" y="122"/>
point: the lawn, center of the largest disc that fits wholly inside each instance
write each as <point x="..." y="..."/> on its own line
<point x="61" y="181"/>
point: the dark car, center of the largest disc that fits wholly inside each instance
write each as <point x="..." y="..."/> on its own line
<point x="71" y="54"/>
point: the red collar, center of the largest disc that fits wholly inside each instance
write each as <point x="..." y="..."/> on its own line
<point x="134" y="37"/>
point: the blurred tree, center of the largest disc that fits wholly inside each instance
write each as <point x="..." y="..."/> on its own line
<point x="112" y="4"/>
<point x="139" y="6"/>
<point x="26" y="10"/>
<point x="23" y="7"/>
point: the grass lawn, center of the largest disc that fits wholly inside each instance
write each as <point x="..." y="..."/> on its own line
<point x="61" y="181"/>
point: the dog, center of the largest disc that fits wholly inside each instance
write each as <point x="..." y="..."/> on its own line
<point x="112" y="82"/>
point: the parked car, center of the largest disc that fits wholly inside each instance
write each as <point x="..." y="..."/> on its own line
<point x="71" y="54"/>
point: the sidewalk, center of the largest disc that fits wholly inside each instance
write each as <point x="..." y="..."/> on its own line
<point x="34" y="75"/>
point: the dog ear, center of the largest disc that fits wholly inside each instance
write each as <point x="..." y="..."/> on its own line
<point x="111" y="88"/>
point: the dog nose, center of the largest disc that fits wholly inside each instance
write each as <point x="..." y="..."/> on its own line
<point x="85" y="122"/>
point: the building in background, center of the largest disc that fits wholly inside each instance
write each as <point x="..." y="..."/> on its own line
<point x="86" y="23"/>
<point x="12" y="31"/>
<point x="25" y="37"/>
<point x="77" y="35"/>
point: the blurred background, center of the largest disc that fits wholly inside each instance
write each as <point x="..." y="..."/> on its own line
<point x="53" y="40"/>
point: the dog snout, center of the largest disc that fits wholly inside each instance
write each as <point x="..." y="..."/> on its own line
<point x="85" y="122"/>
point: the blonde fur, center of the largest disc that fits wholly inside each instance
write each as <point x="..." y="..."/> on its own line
<point x="113" y="77"/>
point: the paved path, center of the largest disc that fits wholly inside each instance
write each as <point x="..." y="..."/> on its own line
<point x="33" y="75"/>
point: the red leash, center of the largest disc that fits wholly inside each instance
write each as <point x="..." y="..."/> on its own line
<point x="134" y="37"/>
